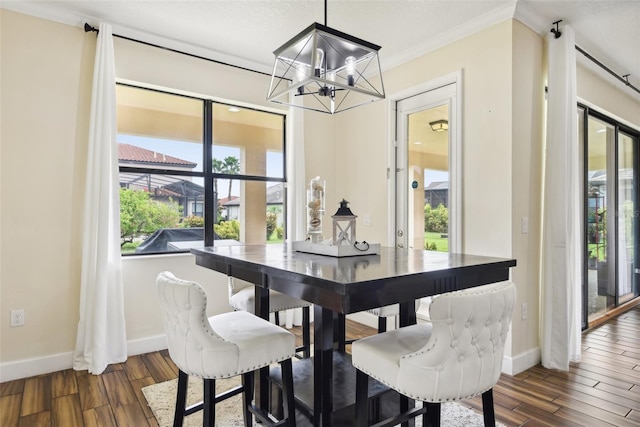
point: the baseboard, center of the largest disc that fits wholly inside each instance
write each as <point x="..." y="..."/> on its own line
<point x="25" y="368"/>
<point x="522" y="362"/>
<point x="146" y="345"/>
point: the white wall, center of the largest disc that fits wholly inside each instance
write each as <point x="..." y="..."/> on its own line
<point x="46" y="87"/>
<point x="487" y="108"/>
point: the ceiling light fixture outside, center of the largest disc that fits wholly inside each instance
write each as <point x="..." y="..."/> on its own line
<point x="329" y="70"/>
<point x="439" y="125"/>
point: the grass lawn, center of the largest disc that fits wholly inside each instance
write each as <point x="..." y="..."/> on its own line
<point x="442" y="243"/>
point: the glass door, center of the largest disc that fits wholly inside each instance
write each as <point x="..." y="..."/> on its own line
<point x="423" y="170"/>
<point x="611" y="227"/>
<point x="627" y="218"/>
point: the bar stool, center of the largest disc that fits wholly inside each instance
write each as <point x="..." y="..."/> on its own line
<point x="221" y="346"/>
<point x="455" y="356"/>
<point x="242" y="298"/>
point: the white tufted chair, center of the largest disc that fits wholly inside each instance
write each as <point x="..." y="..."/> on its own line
<point x="383" y="313"/>
<point x="457" y="355"/>
<point x="242" y="298"/>
<point x="222" y="346"/>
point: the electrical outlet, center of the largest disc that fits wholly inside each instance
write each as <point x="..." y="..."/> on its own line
<point x="524" y="311"/>
<point x="17" y="317"/>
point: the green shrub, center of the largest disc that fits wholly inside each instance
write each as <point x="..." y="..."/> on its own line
<point x="228" y="229"/>
<point x="193" y="221"/>
<point x="436" y="220"/>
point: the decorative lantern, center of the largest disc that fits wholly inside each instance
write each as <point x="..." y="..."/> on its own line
<point x="344" y="225"/>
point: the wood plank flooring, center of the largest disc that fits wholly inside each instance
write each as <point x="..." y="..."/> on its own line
<point x="602" y="390"/>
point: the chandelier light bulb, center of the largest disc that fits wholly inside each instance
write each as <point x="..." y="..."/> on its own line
<point x="350" y="65"/>
<point x="318" y="62"/>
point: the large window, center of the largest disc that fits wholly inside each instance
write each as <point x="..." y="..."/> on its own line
<point x="195" y="172"/>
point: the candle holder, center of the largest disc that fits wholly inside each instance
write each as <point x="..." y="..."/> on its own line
<point x="344" y="225"/>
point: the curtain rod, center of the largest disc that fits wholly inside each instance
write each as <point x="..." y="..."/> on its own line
<point x="624" y="79"/>
<point x="89" y="28"/>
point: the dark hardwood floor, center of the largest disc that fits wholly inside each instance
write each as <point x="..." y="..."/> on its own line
<point x="602" y="390"/>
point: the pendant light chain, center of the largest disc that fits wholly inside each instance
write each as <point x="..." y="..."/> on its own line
<point x="325" y="13"/>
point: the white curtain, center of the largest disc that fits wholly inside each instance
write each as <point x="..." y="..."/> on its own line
<point x="561" y="271"/>
<point x="101" y="336"/>
<point x="296" y="209"/>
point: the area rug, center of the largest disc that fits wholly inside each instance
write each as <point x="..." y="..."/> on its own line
<point x="161" y="400"/>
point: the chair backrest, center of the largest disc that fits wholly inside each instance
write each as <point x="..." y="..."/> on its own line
<point x="193" y="345"/>
<point x="463" y="356"/>
<point x="236" y="285"/>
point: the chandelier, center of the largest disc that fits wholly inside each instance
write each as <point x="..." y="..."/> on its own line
<point x="328" y="70"/>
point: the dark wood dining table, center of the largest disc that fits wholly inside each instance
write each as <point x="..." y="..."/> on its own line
<point x="339" y="286"/>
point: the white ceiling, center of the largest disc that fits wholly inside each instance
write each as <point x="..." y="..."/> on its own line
<point x="245" y="33"/>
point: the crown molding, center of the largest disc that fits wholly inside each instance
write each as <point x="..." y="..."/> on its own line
<point x="43" y="11"/>
<point x="469" y="28"/>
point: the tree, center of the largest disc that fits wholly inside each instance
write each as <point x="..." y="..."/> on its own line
<point x="272" y="220"/>
<point x="141" y="215"/>
<point x="218" y="167"/>
<point x="231" y="166"/>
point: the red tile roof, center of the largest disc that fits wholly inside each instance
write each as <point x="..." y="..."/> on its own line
<point x="133" y="154"/>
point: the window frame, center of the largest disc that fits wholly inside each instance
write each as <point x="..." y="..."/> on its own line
<point x="207" y="174"/>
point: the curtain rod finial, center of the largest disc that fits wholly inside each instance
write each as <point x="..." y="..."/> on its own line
<point x="556" y="31"/>
<point x="88" y="28"/>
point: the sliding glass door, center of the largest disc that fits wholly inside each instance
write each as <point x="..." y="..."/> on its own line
<point x="611" y="213"/>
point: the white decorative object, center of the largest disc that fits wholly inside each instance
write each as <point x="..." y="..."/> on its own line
<point x="344" y="243"/>
<point x="315" y="208"/>
<point x="363" y="248"/>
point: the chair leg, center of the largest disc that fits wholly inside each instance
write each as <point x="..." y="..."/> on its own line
<point x="339" y="331"/>
<point x="209" y="416"/>
<point x="247" y="397"/>
<point x="181" y="399"/>
<point x="287" y="389"/>
<point x="404" y="407"/>
<point x="306" y="332"/>
<point x="432" y="417"/>
<point x="382" y="324"/>
<point x="362" y="399"/>
<point x="487" y="409"/>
